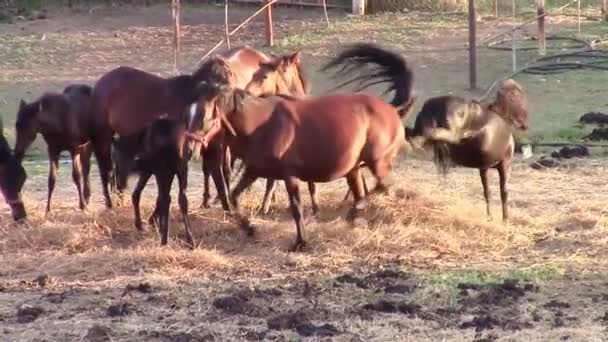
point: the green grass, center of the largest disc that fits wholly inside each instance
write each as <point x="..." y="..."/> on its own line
<point x="532" y="274"/>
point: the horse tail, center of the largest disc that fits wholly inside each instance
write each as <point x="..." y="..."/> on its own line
<point x="441" y="157"/>
<point x="375" y="65"/>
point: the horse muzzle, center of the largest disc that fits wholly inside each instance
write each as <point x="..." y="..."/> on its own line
<point x="17" y="210"/>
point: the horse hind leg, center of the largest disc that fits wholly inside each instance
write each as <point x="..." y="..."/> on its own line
<point x="314" y="197"/>
<point x="206" y="175"/>
<point x="52" y="178"/>
<point x="102" y="148"/>
<point x="483" y="174"/>
<point x="135" y="198"/>
<point x="355" y="185"/>
<point x="504" y="170"/>
<point x="295" y="203"/>
<point x="85" y="162"/>
<point x="268" y="195"/>
<point x="77" y="178"/>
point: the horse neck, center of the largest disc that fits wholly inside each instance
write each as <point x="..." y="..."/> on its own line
<point x="182" y="88"/>
<point x="250" y="113"/>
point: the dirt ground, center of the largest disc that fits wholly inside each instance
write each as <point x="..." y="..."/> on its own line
<point x="425" y="265"/>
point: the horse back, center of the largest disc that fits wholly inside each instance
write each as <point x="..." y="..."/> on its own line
<point x="126" y="99"/>
<point x="244" y="61"/>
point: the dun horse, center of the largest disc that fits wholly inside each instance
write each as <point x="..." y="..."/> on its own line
<point x="316" y="139"/>
<point x="63" y="120"/>
<point x="125" y="100"/>
<point x="262" y="76"/>
<point x="159" y="150"/>
<point x="469" y="134"/>
<point x="12" y="178"/>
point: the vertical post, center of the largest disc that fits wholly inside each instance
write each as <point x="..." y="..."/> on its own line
<point x="358" y="7"/>
<point x="325" y="12"/>
<point x="269" y="33"/>
<point x="578" y="15"/>
<point x="472" y="46"/>
<point x="540" y="11"/>
<point x="604" y="9"/>
<point x="513" y="46"/>
<point x="175" y="9"/>
<point x="495" y="8"/>
<point x="226" y="23"/>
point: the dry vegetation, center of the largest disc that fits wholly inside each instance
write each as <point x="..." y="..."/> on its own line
<point x="426" y="265"/>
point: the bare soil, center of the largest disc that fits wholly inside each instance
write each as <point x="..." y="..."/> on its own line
<point x="425" y="265"/>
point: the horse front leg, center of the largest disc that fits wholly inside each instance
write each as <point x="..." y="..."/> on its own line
<point x="77" y="178"/>
<point x="314" y="197"/>
<point x="53" y="166"/>
<point x="295" y="204"/>
<point x="85" y="162"/>
<point x="136" y="196"/>
<point x="182" y="178"/>
<point x="483" y="174"/>
<point x="355" y="184"/>
<point x="102" y="147"/>
<point x="245" y="182"/>
<point x="268" y="195"/>
<point x="164" y="192"/>
<point x="206" y="174"/>
<point x="504" y="171"/>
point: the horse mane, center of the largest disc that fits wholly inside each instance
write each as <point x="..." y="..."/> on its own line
<point x="214" y="70"/>
<point x="306" y="84"/>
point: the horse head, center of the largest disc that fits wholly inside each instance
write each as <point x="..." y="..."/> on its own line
<point x="512" y="104"/>
<point x="12" y="178"/>
<point x="43" y="114"/>
<point x="282" y="75"/>
<point x="215" y="70"/>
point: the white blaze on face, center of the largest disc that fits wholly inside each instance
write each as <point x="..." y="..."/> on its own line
<point x="193" y="111"/>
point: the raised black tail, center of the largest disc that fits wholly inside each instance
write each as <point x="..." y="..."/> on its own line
<point x="375" y="65"/>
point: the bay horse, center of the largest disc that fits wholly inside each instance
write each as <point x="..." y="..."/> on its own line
<point x="467" y="133"/>
<point x="261" y="75"/>
<point x="12" y="178"/>
<point x="126" y="99"/>
<point x="158" y="151"/>
<point x="63" y="120"/>
<point x="315" y="139"/>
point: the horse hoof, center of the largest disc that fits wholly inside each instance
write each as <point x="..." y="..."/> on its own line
<point x="298" y="246"/>
<point x="139" y="226"/>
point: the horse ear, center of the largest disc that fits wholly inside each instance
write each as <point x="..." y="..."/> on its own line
<point x="268" y="65"/>
<point x="296" y="57"/>
<point x="22" y="104"/>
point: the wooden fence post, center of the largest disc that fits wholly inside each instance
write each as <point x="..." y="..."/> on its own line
<point x="358" y="7"/>
<point x="604" y="9"/>
<point x="269" y="31"/>
<point x="227" y="35"/>
<point x="472" y="46"/>
<point x="542" y="43"/>
<point x="175" y="9"/>
<point x="495" y="8"/>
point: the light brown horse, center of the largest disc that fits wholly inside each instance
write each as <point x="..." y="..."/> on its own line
<point x="261" y="75"/>
<point x="316" y="139"/>
<point x="63" y="120"/>
<point x="125" y="100"/>
<point x="469" y="134"/>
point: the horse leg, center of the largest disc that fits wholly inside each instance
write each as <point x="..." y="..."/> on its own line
<point x="355" y="184"/>
<point x="135" y="197"/>
<point x="295" y="204"/>
<point x="314" y="197"/>
<point x="85" y="162"/>
<point x="217" y="173"/>
<point x="182" y="178"/>
<point x="504" y="170"/>
<point x="348" y="192"/>
<point x="154" y="217"/>
<point x="53" y="166"/>
<point x="206" y="175"/>
<point x="245" y="182"/>
<point x="268" y="195"/>
<point x="77" y="178"/>
<point x="164" y="193"/>
<point x="483" y="173"/>
<point x="102" y="147"/>
<point x="226" y="169"/>
<point x="381" y="169"/>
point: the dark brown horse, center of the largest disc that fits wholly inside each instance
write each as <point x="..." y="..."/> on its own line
<point x="261" y="75"/>
<point x="12" y="178"/>
<point x="125" y="100"/>
<point x="63" y="120"/>
<point x="469" y="134"/>
<point x="159" y="151"/>
<point x="316" y="139"/>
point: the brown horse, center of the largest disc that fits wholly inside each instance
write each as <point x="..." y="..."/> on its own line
<point x="316" y="139"/>
<point x="261" y="75"/>
<point x="63" y="120"/>
<point x="159" y="151"/>
<point x="125" y="100"/>
<point x="466" y="133"/>
<point x="12" y="178"/>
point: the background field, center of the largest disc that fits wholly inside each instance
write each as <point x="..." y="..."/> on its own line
<point x="427" y="266"/>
